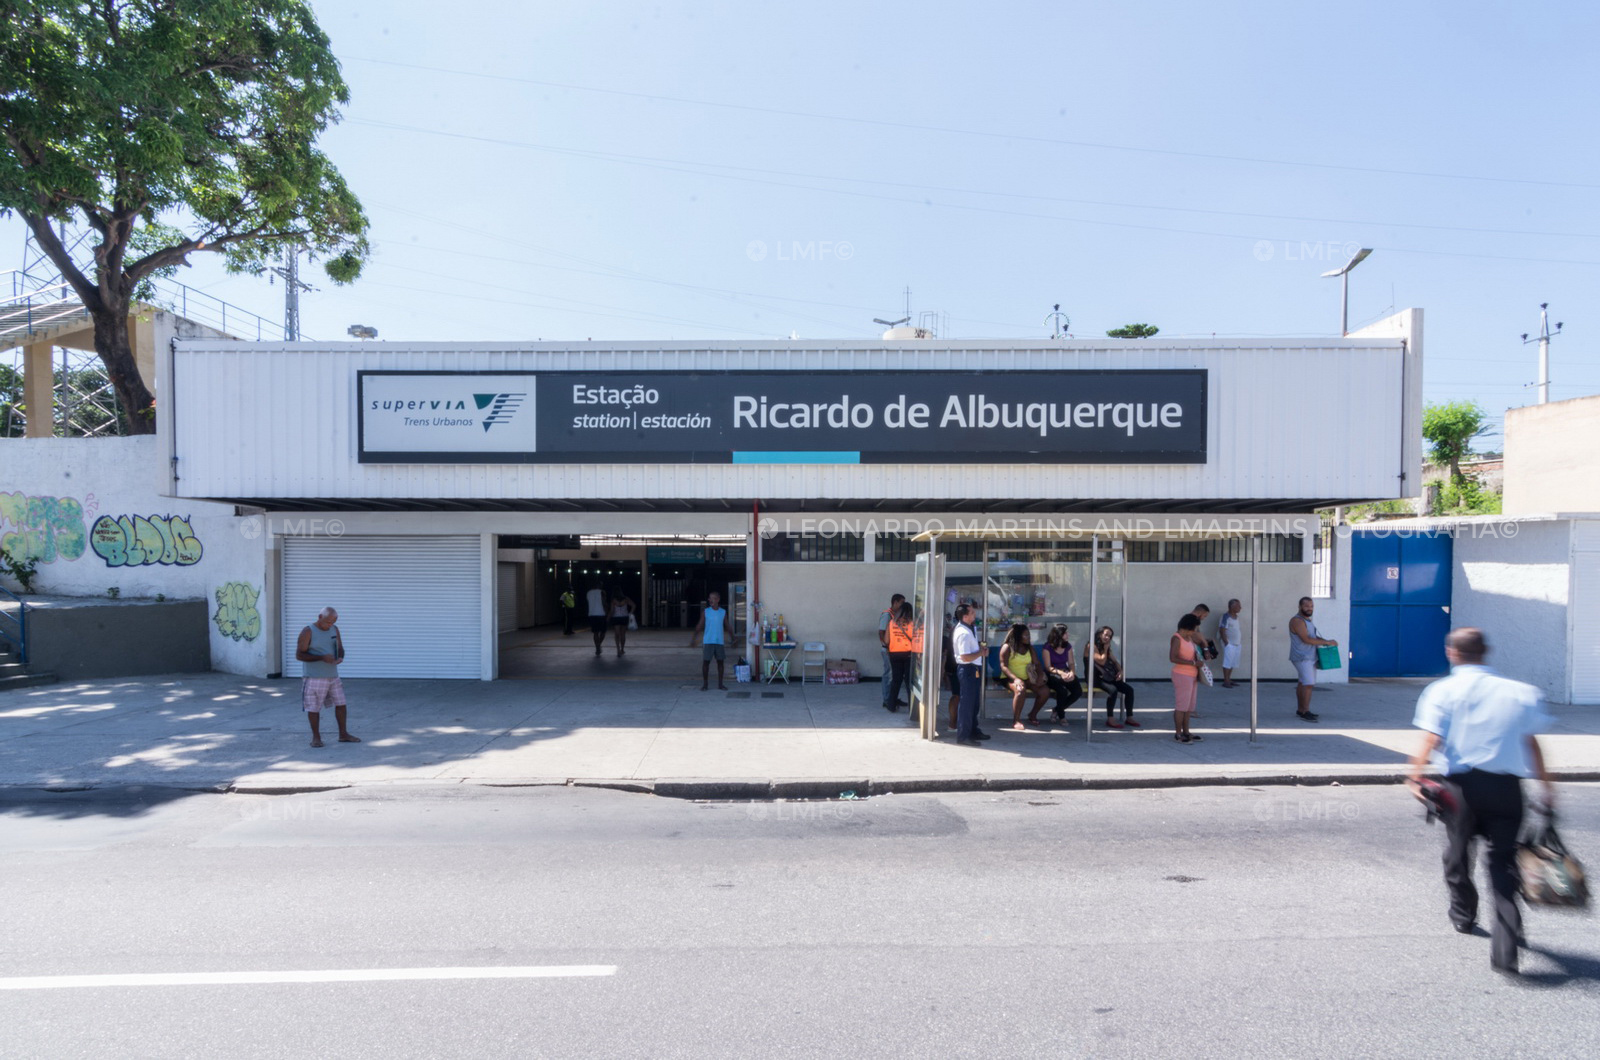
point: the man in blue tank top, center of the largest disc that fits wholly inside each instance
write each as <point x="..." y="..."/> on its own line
<point x="321" y="650"/>
<point x="712" y="632"/>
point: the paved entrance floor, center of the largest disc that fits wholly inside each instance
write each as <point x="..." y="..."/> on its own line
<point x="217" y="731"/>
<point x="544" y="652"/>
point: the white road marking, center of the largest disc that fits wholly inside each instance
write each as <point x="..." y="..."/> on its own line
<point x="345" y="975"/>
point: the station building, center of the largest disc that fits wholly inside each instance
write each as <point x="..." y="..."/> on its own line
<point x="442" y="496"/>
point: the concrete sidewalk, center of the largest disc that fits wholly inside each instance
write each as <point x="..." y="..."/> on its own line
<point x="220" y="732"/>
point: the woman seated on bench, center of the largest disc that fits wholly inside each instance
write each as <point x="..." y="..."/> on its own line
<point x="1022" y="674"/>
<point x="1108" y="678"/>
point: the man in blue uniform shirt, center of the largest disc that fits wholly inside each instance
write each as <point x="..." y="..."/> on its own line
<point x="1483" y="727"/>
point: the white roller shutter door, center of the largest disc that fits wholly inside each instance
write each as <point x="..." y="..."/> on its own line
<point x="409" y="606"/>
<point x="506" y="596"/>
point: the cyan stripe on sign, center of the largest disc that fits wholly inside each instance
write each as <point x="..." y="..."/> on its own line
<point x="797" y="457"/>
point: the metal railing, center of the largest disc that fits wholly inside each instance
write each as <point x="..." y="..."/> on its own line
<point x="28" y="310"/>
<point x="20" y="624"/>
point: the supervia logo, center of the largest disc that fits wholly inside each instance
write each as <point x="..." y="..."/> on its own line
<point x="501" y="407"/>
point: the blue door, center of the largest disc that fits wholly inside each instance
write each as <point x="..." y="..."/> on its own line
<point x="1399" y="602"/>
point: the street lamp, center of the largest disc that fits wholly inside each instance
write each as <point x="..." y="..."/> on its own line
<point x="1344" y="274"/>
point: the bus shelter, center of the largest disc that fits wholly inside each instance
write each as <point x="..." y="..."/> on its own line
<point x="1078" y="578"/>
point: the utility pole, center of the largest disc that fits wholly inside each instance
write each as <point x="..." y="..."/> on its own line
<point x="290" y="271"/>
<point x="1544" y="351"/>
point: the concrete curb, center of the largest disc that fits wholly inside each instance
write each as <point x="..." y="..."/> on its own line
<point x="752" y="789"/>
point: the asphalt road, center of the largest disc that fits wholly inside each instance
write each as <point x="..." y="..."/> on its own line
<point x="1228" y="922"/>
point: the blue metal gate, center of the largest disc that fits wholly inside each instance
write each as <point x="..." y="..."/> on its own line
<point x="1399" y="602"/>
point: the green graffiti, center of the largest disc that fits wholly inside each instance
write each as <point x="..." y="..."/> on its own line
<point x="139" y="540"/>
<point x="236" y="615"/>
<point x="42" y="528"/>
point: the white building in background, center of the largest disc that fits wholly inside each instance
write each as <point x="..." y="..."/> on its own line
<point x="438" y="494"/>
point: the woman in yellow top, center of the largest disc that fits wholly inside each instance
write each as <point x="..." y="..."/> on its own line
<point x="1021" y="673"/>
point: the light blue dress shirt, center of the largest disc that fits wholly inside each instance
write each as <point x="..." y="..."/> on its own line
<point x="1483" y="720"/>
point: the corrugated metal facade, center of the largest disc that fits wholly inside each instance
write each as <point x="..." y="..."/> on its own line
<point x="1311" y="419"/>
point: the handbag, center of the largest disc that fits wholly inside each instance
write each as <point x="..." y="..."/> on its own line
<point x="1205" y="675"/>
<point x="633" y="623"/>
<point x="1328" y="657"/>
<point x="1550" y="875"/>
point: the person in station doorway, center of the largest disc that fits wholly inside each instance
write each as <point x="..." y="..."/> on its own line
<point x="1303" y="645"/>
<point x="712" y="633"/>
<point x="966" y="650"/>
<point x="569" y="603"/>
<point x="889" y="701"/>
<point x="321" y="650"/>
<point x="1485" y="728"/>
<point x="1232" y="637"/>
<point x="621" y="617"/>
<point x="596" y="599"/>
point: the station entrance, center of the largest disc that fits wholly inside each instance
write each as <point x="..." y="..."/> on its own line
<point x="661" y="582"/>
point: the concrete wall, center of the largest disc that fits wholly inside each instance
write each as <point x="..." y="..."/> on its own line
<point x="1516" y="590"/>
<point x="75" y="638"/>
<point x="837" y="603"/>
<point x="1548" y="468"/>
<point x="89" y="510"/>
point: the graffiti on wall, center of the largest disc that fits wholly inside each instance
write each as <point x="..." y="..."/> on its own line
<point x="139" y="540"/>
<point x="43" y="529"/>
<point x="236" y="615"/>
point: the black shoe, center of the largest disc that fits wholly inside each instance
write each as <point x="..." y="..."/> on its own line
<point x="963" y="741"/>
<point x="892" y="707"/>
<point x="1306" y="715"/>
<point x="982" y="736"/>
<point x="1466" y="929"/>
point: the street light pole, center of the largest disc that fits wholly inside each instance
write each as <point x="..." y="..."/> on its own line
<point x="1344" y="277"/>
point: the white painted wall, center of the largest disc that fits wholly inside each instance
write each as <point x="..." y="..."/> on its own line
<point x="75" y="483"/>
<point x="1516" y="590"/>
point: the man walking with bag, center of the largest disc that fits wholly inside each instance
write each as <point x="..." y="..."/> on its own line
<point x="1483" y="726"/>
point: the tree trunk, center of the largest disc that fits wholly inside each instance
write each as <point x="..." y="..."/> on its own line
<point x="135" y="404"/>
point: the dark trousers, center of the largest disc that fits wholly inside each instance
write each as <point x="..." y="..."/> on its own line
<point x="1490" y="806"/>
<point x="1066" y="692"/>
<point x="899" y="667"/>
<point x="888" y="678"/>
<point x="967" y="712"/>
<point x="566" y="616"/>
<point x="1113" y="690"/>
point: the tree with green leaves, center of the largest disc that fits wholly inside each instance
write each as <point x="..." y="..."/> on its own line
<point x="1133" y="331"/>
<point x="170" y="127"/>
<point x="1449" y="429"/>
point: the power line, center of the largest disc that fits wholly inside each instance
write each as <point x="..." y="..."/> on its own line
<point x="924" y="202"/>
<point x="987" y="133"/>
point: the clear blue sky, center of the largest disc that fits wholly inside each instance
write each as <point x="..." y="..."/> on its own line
<point x="616" y="171"/>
